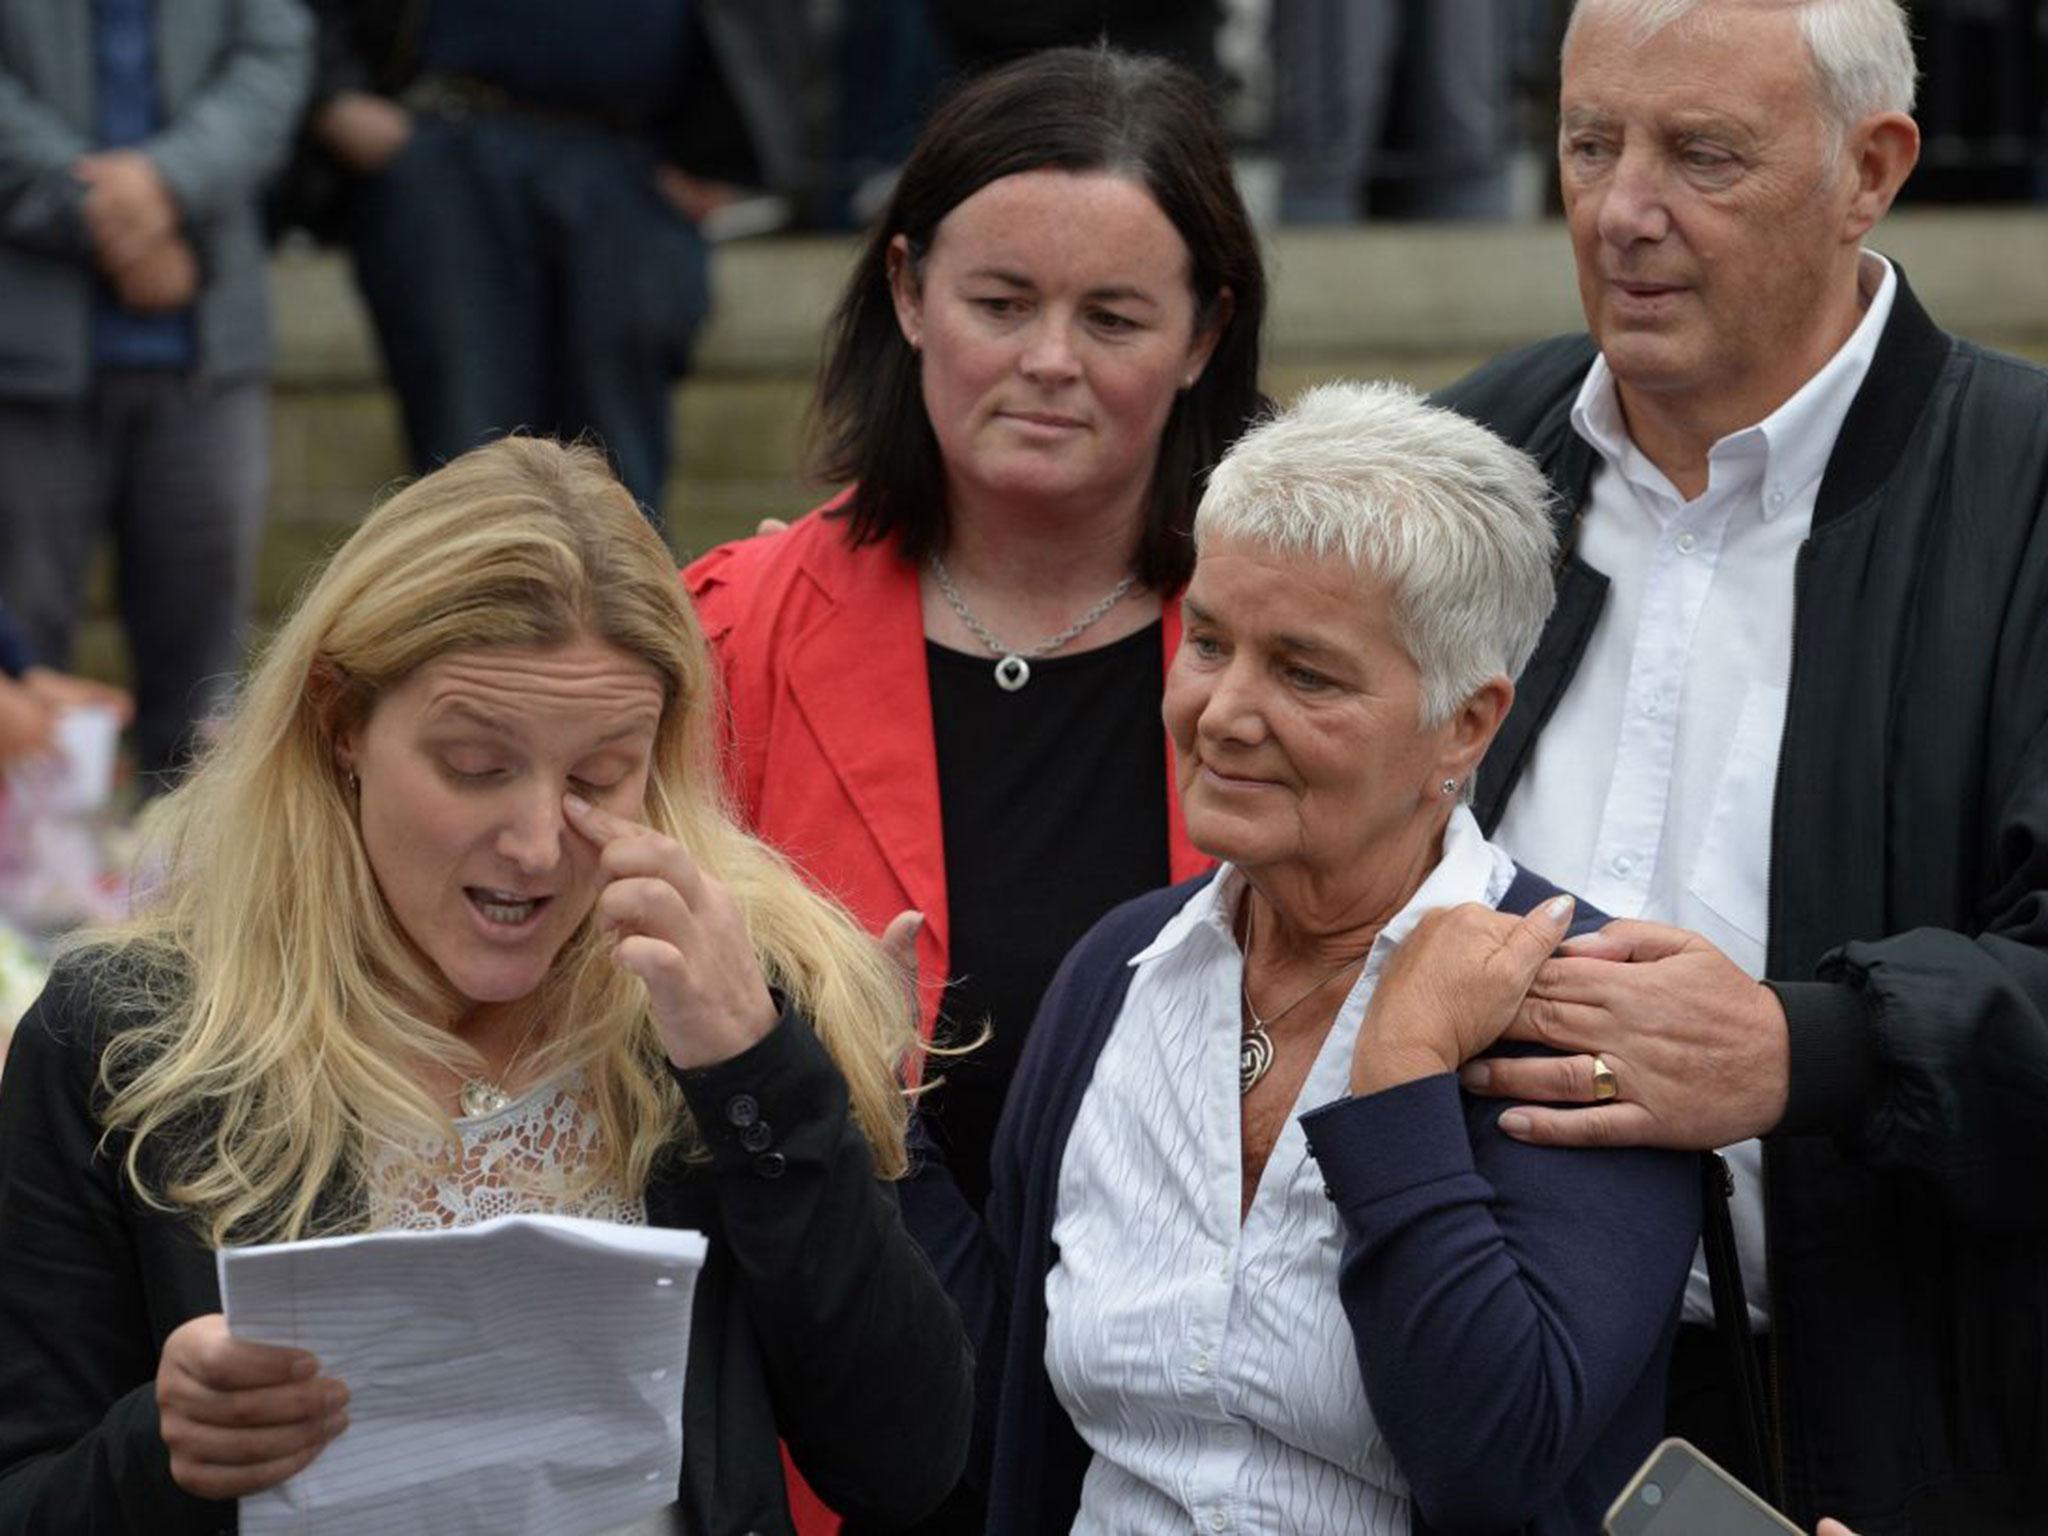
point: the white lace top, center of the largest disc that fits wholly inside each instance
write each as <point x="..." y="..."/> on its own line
<point x="521" y="1159"/>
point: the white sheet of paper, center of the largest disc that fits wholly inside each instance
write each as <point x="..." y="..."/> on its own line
<point x="521" y="1375"/>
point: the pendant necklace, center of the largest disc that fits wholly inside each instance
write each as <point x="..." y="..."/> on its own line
<point x="1255" y="1045"/>
<point x="480" y="1098"/>
<point x="1013" y="667"/>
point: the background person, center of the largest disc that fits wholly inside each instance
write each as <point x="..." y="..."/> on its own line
<point x="134" y="337"/>
<point x="1791" y="717"/>
<point x="1051" y="334"/>
<point x="1251" y="1259"/>
<point x="452" y="923"/>
<point x="524" y="185"/>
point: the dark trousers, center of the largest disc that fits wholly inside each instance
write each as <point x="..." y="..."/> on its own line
<point x="1339" y="63"/>
<point x="176" y="469"/>
<point x="527" y="274"/>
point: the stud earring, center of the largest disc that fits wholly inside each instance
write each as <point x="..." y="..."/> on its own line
<point x="1450" y="787"/>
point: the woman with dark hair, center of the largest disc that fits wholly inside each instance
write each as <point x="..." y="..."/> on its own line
<point x="944" y="685"/>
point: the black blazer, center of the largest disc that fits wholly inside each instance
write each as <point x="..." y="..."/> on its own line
<point x="816" y="1320"/>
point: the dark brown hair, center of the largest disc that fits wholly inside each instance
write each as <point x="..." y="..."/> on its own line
<point x="1069" y="109"/>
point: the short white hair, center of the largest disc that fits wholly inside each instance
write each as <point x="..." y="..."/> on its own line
<point x="1455" y="522"/>
<point x="1860" y="51"/>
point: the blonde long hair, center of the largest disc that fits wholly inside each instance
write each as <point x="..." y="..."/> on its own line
<point x="277" y="1020"/>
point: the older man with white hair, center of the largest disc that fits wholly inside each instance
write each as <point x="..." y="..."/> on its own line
<point x="1790" y="720"/>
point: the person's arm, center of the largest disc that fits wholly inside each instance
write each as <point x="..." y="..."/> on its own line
<point x="41" y="203"/>
<point x="80" y="1447"/>
<point x="1506" y="1300"/>
<point x="219" y="146"/>
<point x="1925" y="1051"/>
<point x="872" y="1378"/>
<point x="1928" y="1050"/>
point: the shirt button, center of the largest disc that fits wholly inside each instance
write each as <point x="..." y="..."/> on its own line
<point x="1622" y="864"/>
<point x="1218" y="1521"/>
<point x="742" y="1110"/>
<point x="1202" y="1363"/>
<point x="757" y="1137"/>
<point x="1686" y="543"/>
<point x="771" y="1165"/>
<point x="1652" y="708"/>
<point x="1777" y="497"/>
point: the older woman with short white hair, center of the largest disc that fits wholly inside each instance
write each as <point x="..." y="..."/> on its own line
<point x="1251" y="1260"/>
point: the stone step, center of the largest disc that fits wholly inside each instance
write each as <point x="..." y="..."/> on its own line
<point x="1412" y="302"/>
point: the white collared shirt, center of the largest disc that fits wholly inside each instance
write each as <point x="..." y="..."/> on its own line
<point x="1208" y="1364"/>
<point x="1650" y="791"/>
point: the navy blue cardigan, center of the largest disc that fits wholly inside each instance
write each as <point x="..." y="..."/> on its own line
<point x="1513" y="1306"/>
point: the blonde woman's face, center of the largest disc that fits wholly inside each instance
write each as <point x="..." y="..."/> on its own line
<point x="462" y="769"/>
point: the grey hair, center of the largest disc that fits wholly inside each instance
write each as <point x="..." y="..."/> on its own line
<point x="1861" y="51"/>
<point x="1454" y="521"/>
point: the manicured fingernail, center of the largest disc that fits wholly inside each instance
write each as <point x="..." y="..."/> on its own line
<point x="304" y="1367"/>
<point x="1515" y="1123"/>
<point x="1476" y="1076"/>
<point x="337" y="1398"/>
<point x="1558" y="908"/>
<point x="578" y="806"/>
<point x="336" y="1423"/>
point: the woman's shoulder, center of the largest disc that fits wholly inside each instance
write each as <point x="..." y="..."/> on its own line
<point x="726" y="581"/>
<point x="98" y="990"/>
<point x="1119" y="934"/>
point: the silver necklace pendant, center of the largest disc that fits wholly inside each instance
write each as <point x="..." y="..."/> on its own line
<point x="1254" y="1056"/>
<point x="1013" y="668"/>
<point x="480" y="1098"/>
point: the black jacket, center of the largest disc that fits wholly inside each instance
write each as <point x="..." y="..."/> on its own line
<point x="1907" y="1186"/>
<point x="815" y="1317"/>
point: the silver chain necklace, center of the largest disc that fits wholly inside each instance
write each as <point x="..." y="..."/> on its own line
<point x="1013" y="667"/>
<point x="1255" y="1045"/>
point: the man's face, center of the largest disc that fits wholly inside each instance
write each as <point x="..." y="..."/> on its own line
<point x="1709" y="209"/>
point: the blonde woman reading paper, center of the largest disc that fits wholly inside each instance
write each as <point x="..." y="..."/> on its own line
<point x="454" y="923"/>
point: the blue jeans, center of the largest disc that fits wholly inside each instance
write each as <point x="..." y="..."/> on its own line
<point x="527" y="274"/>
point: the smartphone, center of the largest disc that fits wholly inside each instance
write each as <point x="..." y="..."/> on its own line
<point x="1680" y="1492"/>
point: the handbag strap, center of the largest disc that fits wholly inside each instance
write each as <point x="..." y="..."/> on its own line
<point x="1731" y="1325"/>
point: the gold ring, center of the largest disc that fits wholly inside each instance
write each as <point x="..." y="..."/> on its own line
<point x="1605" y="1084"/>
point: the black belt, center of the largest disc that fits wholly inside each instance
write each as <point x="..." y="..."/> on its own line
<point x="456" y="97"/>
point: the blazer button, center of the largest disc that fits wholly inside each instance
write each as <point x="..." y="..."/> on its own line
<point x="742" y="1110"/>
<point x="771" y="1165"/>
<point x="757" y="1137"/>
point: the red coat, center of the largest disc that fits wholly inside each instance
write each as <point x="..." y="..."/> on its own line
<point x="830" y="753"/>
<point x="821" y="647"/>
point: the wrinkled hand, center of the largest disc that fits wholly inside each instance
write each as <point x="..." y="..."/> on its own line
<point x="239" y="1417"/>
<point x="128" y="208"/>
<point x="682" y="934"/>
<point x="1698" y="1049"/>
<point x="65" y="690"/>
<point x="1449" y="990"/>
<point x="162" y="280"/>
<point x="364" y="132"/>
